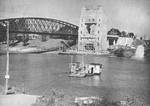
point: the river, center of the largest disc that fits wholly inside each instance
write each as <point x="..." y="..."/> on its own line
<point x="38" y="73"/>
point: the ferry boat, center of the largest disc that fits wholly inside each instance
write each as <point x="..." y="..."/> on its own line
<point x="83" y="70"/>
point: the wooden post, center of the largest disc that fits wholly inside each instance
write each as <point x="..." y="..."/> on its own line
<point x="83" y="60"/>
<point x="7" y="64"/>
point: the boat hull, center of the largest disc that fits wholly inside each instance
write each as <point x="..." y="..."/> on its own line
<point x="77" y="75"/>
<point x="92" y="74"/>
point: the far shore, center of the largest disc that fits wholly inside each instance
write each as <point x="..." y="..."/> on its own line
<point x="17" y="50"/>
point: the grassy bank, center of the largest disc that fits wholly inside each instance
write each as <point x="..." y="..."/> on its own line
<point x="34" y="46"/>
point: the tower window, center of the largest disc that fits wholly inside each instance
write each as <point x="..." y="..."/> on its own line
<point x="93" y="20"/>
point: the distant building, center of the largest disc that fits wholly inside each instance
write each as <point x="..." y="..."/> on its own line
<point x="112" y="36"/>
<point x="29" y="36"/>
<point x="124" y="41"/>
<point x="92" y="34"/>
<point x="34" y="36"/>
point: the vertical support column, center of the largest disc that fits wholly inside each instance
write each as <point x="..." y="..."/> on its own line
<point x="7" y="64"/>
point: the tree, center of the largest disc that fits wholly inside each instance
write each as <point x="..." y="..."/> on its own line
<point x="44" y="37"/>
<point x="114" y="31"/>
<point x="13" y="36"/>
<point x="2" y="33"/>
<point x="131" y="35"/>
<point x="25" y="39"/>
<point x="123" y="34"/>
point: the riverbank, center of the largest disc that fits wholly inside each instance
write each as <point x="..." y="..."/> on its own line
<point x="33" y="46"/>
<point x="28" y="50"/>
<point x="58" y="98"/>
<point x="75" y="52"/>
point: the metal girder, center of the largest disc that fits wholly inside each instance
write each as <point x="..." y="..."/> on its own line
<point x="41" y="26"/>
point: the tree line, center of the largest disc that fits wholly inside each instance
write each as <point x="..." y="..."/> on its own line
<point x="115" y="31"/>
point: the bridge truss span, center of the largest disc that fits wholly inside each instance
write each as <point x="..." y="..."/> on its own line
<point x="34" y="25"/>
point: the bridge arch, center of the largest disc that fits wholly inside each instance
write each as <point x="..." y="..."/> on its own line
<point x="36" y="25"/>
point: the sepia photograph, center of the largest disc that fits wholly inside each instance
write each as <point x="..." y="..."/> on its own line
<point x="74" y="52"/>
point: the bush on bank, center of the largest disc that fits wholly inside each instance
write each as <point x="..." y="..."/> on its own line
<point x="58" y="98"/>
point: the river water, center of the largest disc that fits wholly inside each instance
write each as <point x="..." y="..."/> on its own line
<point x="38" y="73"/>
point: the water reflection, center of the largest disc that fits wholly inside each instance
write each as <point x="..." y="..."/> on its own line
<point x="139" y="54"/>
<point x="92" y="81"/>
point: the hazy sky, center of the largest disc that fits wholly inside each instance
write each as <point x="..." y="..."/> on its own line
<point x="128" y="15"/>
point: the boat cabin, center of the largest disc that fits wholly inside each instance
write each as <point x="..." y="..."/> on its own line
<point x="94" y="68"/>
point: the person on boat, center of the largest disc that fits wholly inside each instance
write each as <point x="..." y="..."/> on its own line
<point x="84" y="68"/>
<point x="101" y="67"/>
<point x="92" y="69"/>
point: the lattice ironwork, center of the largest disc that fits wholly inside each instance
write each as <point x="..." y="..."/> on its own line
<point x="41" y="26"/>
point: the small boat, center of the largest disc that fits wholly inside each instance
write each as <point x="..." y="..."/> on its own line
<point x="76" y="70"/>
<point x="83" y="70"/>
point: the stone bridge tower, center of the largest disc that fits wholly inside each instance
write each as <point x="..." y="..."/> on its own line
<point x="92" y="34"/>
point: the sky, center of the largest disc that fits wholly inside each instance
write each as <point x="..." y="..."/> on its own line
<point x="129" y="15"/>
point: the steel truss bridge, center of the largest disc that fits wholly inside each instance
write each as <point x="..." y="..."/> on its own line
<point x="44" y="26"/>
